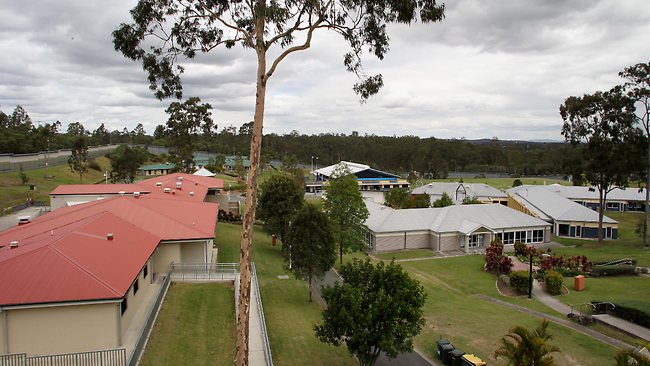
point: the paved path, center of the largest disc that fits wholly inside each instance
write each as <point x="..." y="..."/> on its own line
<point x="562" y="321"/>
<point x="255" y="336"/>
<point x="12" y="219"/>
<point x="404" y="359"/>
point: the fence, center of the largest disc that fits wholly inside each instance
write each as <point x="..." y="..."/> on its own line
<point x="12" y="209"/>
<point x="110" y="357"/>
<point x="144" y="335"/>
<point x="204" y="271"/>
<point x="14" y="162"/>
<point x="260" y="310"/>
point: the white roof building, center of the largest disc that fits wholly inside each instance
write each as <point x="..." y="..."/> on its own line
<point x="569" y="218"/>
<point x="459" y="191"/>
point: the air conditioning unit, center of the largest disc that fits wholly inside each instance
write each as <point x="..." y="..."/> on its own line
<point x="180" y="179"/>
<point x="13" y="244"/>
<point x="179" y="185"/>
<point x="192" y="193"/>
<point x="158" y="184"/>
<point x="167" y="190"/>
<point x="121" y="193"/>
<point x="136" y="194"/>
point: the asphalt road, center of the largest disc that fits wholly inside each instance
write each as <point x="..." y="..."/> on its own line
<point x="12" y="219"/>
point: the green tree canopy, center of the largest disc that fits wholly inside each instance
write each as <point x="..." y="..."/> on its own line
<point x="605" y="123"/>
<point x="346" y="210"/>
<point x="396" y="197"/>
<point x="525" y="347"/>
<point x="377" y="308"/>
<point x="280" y="200"/>
<point x="443" y="201"/>
<point x="471" y="200"/>
<point x="312" y="250"/>
<point x="125" y="162"/>
<point x="186" y="122"/>
<point x="78" y="160"/>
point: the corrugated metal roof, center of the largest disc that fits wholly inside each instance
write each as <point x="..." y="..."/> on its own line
<point x="204" y="173"/>
<point x="82" y="189"/>
<point x="169" y="219"/>
<point x="591" y="193"/>
<point x="73" y="262"/>
<point x="540" y="199"/>
<point x="479" y="190"/>
<point x="451" y="219"/>
<point x="353" y="167"/>
<point x="157" y="166"/>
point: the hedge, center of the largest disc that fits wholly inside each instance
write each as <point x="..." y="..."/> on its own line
<point x="519" y="280"/>
<point x="619" y="270"/>
<point x="631" y="312"/>
<point x="553" y="281"/>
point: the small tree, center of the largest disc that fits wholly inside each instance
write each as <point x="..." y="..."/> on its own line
<point x="378" y="308"/>
<point x="517" y="182"/>
<point x="346" y="210"/>
<point x="78" y="160"/>
<point x="396" y="197"/>
<point x="21" y="173"/>
<point x="525" y="347"/>
<point x="471" y="200"/>
<point x="280" y="200"/>
<point x="443" y="201"/>
<point x="422" y="200"/>
<point x="125" y="162"/>
<point x="312" y="249"/>
<point x="186" y="123"/>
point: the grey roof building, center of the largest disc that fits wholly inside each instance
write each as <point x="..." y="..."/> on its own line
<point x="459" y="191"/>
<point x="454" y="228"/>
<point x="569" y="219"/>
<point x="618" y="199"/>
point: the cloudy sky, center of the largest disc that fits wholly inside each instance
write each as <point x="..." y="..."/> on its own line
<point x="491" y="68"/>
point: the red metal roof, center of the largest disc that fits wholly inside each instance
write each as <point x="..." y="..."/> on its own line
<point x="74" y="261"/>
<point x="81" y="189"/>
<point x="170" y="180"/>
<point x="168" y="219"/>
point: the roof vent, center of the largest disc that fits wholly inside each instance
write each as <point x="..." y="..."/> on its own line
<point x="166" y="190"/>
<point x="121" y="193"/>
<point x="109" y="236"/>
<point x="158" y="184"/>
<point x="13" y="244"/>
<point x="180" y="179"/>
<point x="136" y="194"/>
<point x="179" y="185"/>
<point x="192" y="193"/>
<point x="174" y="191"/>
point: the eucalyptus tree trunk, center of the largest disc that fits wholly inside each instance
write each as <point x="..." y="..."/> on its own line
<point x="251" y="202"/>
<point x="647" y="199"/>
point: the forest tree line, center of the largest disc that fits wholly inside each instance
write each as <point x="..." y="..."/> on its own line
<point x="399" y="154"/>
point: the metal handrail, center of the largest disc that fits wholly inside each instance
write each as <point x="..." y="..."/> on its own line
<point x="260" y="310"/>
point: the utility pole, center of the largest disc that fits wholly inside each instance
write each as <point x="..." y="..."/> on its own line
<point x="47" y="151"/>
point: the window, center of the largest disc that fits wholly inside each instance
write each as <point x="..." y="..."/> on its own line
<point x="476" y="240"/>
<point x="123" y="305"/>
<point x="508" y="238"/>
<point x="609" y="232"/>
<point x="563" y="230"/>
<point x="135" y="287"/>
<point x="145" y="270"/>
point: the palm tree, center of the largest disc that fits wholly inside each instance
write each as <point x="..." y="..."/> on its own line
<point x="525" y="347"/>
<point x="630" y="357"/>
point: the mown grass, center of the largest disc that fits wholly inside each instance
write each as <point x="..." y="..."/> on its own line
<point x="628" y="245"/>
<point x="407" y="254"/>
<point x="612" y="289"/>
<point x="196" y="326"/>
<point x="289" y="315"/>
<point x="475" y="325"/>
<point x="13" y="192"/>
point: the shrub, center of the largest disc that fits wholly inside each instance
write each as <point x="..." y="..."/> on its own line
<point x="504" y="265"/>
<point x="228" y="217"/>
<point x="517" y="183"/>
<point x="553" y="281"/>
<point x="520" y="248"/>
<point x="519" y="281"/>
<point x="619" y="270"/>
<point x="505" y="279"/>
<point x="94" y="165"/>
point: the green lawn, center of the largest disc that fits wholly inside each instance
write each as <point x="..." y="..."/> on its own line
<point x="475" y="325"/>
<point x="612" y="289"/>
<point x="196" y="326"/>
<point x="13" y="192"/>
<point x="407" y="254"/>
<point x="628" y="245"/>
<point x="503" y="183"/>
<point x="289" y="315"/>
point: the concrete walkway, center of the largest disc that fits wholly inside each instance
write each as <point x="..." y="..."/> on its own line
<point x="255" y="336"/>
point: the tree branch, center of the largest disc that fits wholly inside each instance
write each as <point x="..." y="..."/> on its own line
<point x="293" y="49"/>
